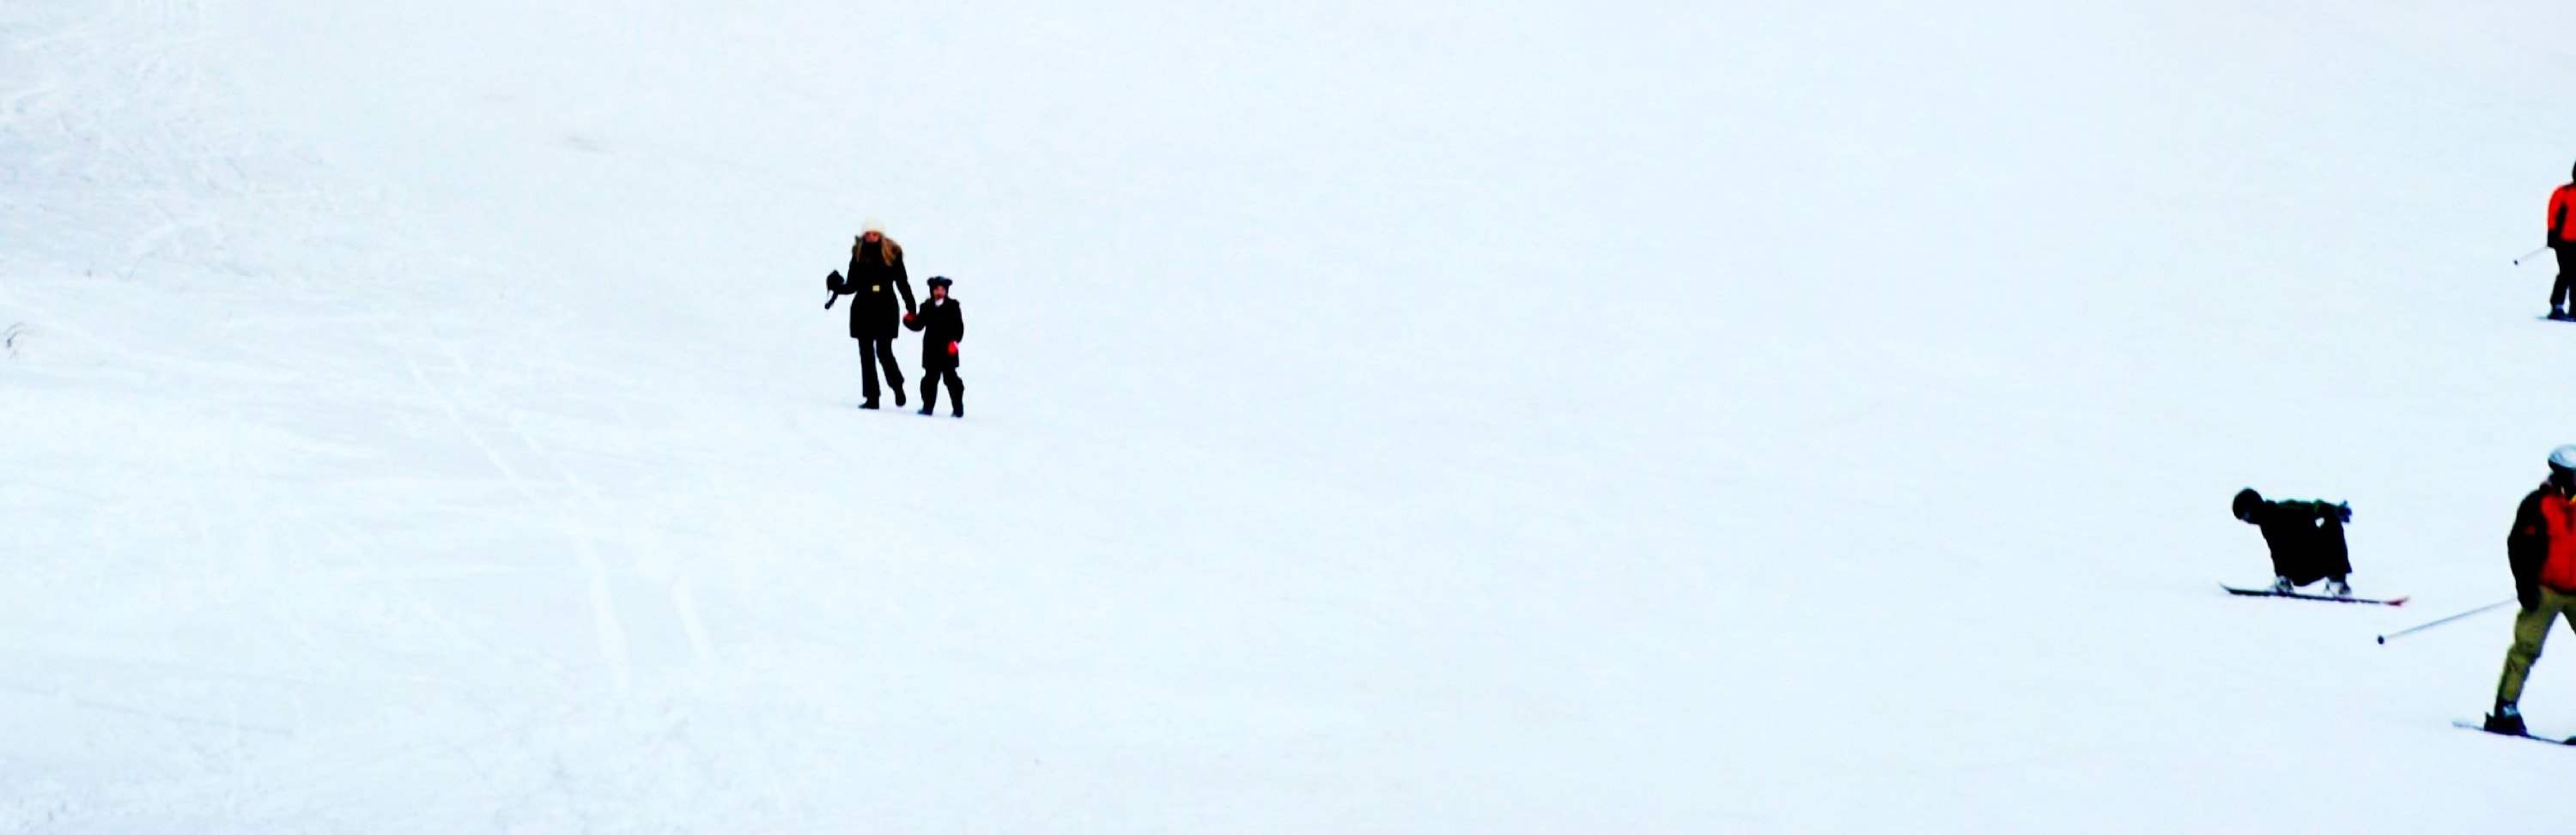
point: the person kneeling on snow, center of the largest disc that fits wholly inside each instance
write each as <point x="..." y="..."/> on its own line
<point x="2542" y="551"/>
<point x="2306" y="540"/>
<point x="942" y="326"/>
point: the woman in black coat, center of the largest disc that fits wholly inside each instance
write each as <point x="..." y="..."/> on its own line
<point x="942" y="326"/>
<point x="876" y="278"/>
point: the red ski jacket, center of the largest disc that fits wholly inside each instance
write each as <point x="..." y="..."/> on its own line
<point x="2543" y="544"/>
<point x="2561" y="203"/>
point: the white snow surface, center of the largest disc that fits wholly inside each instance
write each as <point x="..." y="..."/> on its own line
<point x="1387" y="418"/>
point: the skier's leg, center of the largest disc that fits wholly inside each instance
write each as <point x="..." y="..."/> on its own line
<point x="957" y="398"/>
<point x="2530" y="631"/>
<point x="2334" y="559"/>
<point x="929" y="389"/>
<point x="2284" y="564"/>
<point x="2562" y="292"/>
<point x="868" y="370"/>
<point x="893" y="370"/>
<point x="893" y="367"/>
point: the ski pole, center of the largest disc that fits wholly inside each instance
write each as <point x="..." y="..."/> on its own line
<point x="2414" y="629"/>
<point x="2529" y="255"/>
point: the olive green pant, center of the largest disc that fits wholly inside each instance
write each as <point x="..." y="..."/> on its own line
<point x="2530" y="630"/>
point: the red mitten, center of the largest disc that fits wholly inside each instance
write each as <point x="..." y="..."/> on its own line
<point x="907" y="318"/>
<point x="952" y="349"/>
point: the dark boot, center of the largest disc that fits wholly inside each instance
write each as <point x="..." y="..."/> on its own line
<point x="898" y="395"/>
<point x="870" y="404"/>
<point x="2507" y="720"/>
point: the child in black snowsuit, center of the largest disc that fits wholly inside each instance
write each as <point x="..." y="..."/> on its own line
<point x="2306" y="539"/>
<point x="942" y="326"/>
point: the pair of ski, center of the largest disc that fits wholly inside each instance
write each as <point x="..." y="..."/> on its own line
<point x="2481" y="727"/>
<point x="2393" y="601"/>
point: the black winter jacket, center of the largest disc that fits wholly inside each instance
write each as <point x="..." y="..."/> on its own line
<point x="942" y="324"/>
<point x="876" y="285"/>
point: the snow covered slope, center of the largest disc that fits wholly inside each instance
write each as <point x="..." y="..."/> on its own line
<point x="1455" y="417"/>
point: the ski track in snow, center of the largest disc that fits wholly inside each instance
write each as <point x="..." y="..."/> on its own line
<point x="233" y="527"/>
<point x="603" y="605"/>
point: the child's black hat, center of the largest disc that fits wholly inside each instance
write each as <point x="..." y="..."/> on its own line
<point x="940" y="281"/>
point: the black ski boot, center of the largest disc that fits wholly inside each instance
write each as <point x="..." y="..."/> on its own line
<point x="868" y="405"/>
<point x="2507" y="720"/>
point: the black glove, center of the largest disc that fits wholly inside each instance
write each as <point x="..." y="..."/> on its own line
<point x="2344" y="510"/>
<point x="833" y="282"/>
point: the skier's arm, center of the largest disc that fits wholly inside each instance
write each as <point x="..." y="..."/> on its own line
<point x="2557" y="217"/>
<point x="959" y="314"/>
<point x="903" y="284"/>
<point x="2526" y="548"/>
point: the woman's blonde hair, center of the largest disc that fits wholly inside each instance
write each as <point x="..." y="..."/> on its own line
<point x="887" y="249"/>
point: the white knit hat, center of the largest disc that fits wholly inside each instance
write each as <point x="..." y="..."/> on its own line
<point x="2563" y="457"/>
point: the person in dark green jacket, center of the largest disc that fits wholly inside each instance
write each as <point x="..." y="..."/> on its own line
<point x="2306" y="538"/>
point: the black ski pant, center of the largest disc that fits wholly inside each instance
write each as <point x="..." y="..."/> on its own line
<point x="930" y="389"/>
<point x="2565" y="290"/>
<point x="2319" y="557"/>
<point x="873" y="353"/>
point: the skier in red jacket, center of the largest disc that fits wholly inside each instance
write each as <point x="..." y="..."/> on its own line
<point x="2562" y="238"/>
<point x="2542" y="551"/>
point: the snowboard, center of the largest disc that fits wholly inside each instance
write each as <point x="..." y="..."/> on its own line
<point x="2481" y="727"/>
<point x="2393" y="601"/>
